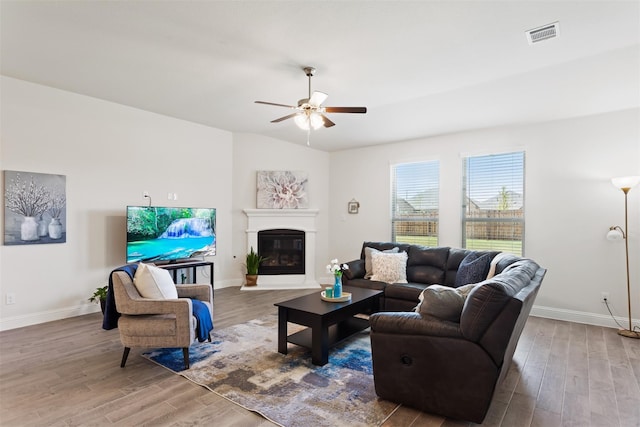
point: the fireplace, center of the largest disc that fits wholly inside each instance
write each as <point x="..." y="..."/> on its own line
<point x="283" y="250"/>
<point x="299" y="221"/>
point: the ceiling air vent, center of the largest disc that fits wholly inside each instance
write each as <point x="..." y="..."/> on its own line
<point x="545" y="32"/>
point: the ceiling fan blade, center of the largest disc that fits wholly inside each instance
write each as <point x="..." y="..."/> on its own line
<point x="345" y="109"/>
<point x="327" y="123"/>
<point x="317" y="98"/>
<point x="273" y="103"/>
<point x="284" y="118"/>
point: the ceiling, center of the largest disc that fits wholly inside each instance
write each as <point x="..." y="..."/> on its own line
<point x="422" y="68"/>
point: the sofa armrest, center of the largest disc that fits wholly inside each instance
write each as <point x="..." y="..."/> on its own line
<point x="412" y="323"/>
<point x="356" y="269"/>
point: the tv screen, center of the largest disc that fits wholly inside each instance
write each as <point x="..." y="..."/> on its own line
<point x="156" y="233"/>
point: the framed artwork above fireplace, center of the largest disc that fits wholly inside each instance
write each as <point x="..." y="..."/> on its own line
<point x="282" y="190"/>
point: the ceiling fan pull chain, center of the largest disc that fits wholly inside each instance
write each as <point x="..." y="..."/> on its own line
<point x="308" y="136"/>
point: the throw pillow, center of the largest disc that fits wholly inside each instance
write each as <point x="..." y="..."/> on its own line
<point x="389" y="267"/>
<point x="368" y="268"/>
<point x="443" y="302"/>
<point x="473" y="269"/>
<point x="154" y="282"/>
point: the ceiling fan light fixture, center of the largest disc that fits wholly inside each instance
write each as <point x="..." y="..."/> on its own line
<point x="309" y="120"/>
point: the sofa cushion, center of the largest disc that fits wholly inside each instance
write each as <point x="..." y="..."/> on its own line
<point x="389" y="267"/>
<point x="154" y="282"/>
<point x="426" y="265"/>
<point x="368" y="267"/>
<point x="473" y="269"/>
<point x="443" y="302"/>
<point x="355" y="270"/>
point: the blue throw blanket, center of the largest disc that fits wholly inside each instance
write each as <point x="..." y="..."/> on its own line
<point x="111" y="314"/>
<point x="203" y="316"/>
<point x="199" y="309"/>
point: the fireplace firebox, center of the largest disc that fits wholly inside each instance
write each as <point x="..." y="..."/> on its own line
<point x="283" y="250"/>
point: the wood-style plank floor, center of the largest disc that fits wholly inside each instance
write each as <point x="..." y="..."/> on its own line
<point x="67" y="373"/>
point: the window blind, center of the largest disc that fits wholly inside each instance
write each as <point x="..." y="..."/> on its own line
<point x="493" y="202"/>
<point x="415" y="195"/>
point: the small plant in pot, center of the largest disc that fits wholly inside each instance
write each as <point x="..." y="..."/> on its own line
<point x="253" y="263"/>
<point x="100" y="296"/>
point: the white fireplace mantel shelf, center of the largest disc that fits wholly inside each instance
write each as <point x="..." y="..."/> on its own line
<point x="293" y="219"/>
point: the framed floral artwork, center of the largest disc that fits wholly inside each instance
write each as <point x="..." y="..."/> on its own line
<point x="34" y="208"/>
<point x="282" y="190"/>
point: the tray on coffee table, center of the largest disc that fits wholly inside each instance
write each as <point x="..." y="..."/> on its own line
<point x="346" y="296"/>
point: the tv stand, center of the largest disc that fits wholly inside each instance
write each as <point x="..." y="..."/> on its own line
<point x="193" y="265"/>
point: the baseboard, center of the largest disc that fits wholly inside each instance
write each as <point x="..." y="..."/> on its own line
<point x="595" y="319"/>
<point x="46" y="316"/>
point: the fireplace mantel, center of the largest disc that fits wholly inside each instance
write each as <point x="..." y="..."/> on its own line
<point x="293" y="219"/>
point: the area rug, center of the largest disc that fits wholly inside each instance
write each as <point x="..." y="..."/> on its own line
<point x="243" y="365"/>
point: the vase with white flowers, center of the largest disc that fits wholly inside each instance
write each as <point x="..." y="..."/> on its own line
<point x="336" y="269"/>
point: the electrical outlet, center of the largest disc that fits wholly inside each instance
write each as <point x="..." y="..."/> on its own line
<point x="145" y="194"/>
<point x="604" y="297"/>
<point x="10" y="298"/>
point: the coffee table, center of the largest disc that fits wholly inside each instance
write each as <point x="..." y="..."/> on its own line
<point x="328" y="322"/>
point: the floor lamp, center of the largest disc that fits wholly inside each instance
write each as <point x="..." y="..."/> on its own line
<point x="625" y="184"/>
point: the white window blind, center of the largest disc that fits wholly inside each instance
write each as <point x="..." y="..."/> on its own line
<point x="415" y="194"/>
<point x="493" y="202"/>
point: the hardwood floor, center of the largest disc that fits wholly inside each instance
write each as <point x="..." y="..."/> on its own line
<point x="67" y="373"/>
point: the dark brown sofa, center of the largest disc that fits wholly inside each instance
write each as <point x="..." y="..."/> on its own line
<point x="446" y="367"/>
<point x="425" y="266"/>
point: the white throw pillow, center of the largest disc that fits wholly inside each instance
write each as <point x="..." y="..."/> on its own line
<point x="368" y="267"/>
<point x="154" y="282"/>
<point x="389" y="267"/>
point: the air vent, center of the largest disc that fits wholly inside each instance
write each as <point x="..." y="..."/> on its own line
<point x="545" y="32"/>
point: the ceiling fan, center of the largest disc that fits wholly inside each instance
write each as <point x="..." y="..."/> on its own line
<point x="310" y="113"/>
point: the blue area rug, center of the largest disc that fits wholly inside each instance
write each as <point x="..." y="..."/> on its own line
<point x="243" y="365"/>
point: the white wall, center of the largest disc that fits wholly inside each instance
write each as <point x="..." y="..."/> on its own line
<point x="109" y="154"/>
<point x="569" y="204"/>
<point x="252" y="153"/>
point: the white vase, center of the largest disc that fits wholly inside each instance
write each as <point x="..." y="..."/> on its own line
<point x="29" y="229"/>
<point x="42" y="228"/>
<point x="55" y="228"/>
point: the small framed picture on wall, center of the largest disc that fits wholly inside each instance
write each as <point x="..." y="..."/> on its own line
<point x="353" y="206"/>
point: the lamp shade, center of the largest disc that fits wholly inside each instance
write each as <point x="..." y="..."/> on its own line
<point x="625" y="181"/>
<point x="308" y="120"/>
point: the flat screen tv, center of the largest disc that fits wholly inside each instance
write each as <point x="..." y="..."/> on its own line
<point x="169" y="234"/>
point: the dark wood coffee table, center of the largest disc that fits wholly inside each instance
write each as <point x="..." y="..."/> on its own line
<point x="328" y="322"/>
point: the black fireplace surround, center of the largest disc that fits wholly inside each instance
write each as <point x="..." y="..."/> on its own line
<point x="283" y="250"/>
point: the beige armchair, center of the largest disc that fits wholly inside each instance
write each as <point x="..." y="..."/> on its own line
<point x="149" y="323"/>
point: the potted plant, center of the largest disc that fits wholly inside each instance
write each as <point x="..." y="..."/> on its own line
<point x="100" y="295"/>
<point x="253" y="263"/>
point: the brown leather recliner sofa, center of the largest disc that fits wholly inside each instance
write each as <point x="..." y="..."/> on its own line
<point x="447" y="367"/>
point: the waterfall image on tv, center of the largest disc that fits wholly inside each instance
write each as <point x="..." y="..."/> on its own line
<point x="156" y="233"/>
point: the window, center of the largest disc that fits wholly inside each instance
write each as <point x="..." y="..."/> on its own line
<point x="493" y="202"/>
<point x="414" y="202"/>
